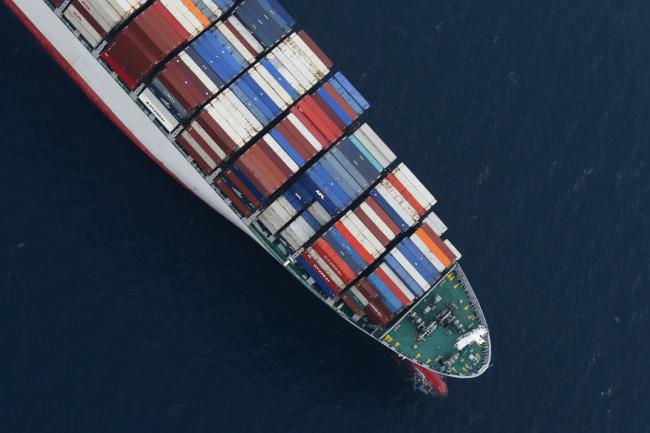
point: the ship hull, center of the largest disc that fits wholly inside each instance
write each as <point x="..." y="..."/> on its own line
<point x="105" y="92"/>
<point x="100" y="87"/>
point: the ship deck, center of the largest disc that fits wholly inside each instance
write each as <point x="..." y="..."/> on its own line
<point x="439" y="345"/>
<point x="108" y="94"/>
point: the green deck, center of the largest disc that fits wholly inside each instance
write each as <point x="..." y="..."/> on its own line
<point x="440" y="344"/>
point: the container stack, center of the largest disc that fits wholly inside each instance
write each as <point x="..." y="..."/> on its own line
<point x="156" y="32"/>
<point x="411" y="268"/>
<point x="214" y="59"/>
<point x="361" y="236"/>
<point x="328" y="187"/>
<point x="95" y="19"/>
<point x="241" y="111"/>
<point x="274" y="159"/>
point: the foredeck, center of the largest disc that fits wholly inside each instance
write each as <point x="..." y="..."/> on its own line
<point x="453" y="289"/>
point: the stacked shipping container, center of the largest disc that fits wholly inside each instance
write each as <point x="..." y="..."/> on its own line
<point x="327" y="188"/>
<point x="361" y="236"/>
<point x="95" y="19"/>
<point x="214" y="59"/>
<point x="156" y="32"/>
<point x="314" y="124"/>
<point x="410" y="269"/>
<point x="367" y="245"/>
<point x="237" y="114"/>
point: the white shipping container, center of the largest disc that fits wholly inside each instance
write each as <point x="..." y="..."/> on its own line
<point x="289" y="69"/>
<point x="378" y="143"/>
<point x="196" y="70"/>
<point x="301" y="226"/>
<point x="306" y="61"/>
<point x="288" y="235"/>
<point x="268" y="89"/>
<point x="216" y="115"/>
<point x="112" y="11"/>
<point x="237" y="114"/>
<point x="422" y="198"/>
<point x="410" y="269"/>
<point x="189" y="16"/>
<point x="294" y="63"/>
<point x="358" y="235"/>
<point x="271" y="219"/>
<point x="299" y="44"/>
<point x="361" y="232"/>
<point x="305" y="132"/>
<point x="174" y="9"/>
<point x="390" y="188"/>
<point x="319" y="213"/>
<point x="416" y="182"/>
<point x="104" y="19"/>
<point x="198" y="149"/>
<point x="208" y="139"/>
<point x="395" y="205"/>
<point x="275" y="85"/>
<point x="291" y="79"/>
<point x="435" y="223"/>
<point x="238" y="106"/>
<point x="380" y="157"/>
<point x="365" y="208"/>
<point x="289" y="210"/>
<point x="126" y="7"/>
<point x="157" y="108"/>
<point x="357" y="294"/>
<point x="216" y="10"/>
<point x="241" y="49"/>
<point x="228" y="122"/>
<point x="83" y="26"/>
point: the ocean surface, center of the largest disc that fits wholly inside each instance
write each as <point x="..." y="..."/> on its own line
<point x="127" y="305"/>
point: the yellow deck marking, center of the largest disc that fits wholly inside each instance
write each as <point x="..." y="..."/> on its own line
<point x="456" y="286"/>
<point x="417" y="356"/>
<point x="454" y="369"/>
<point x="388" y="338"/>
<point x="429" y="361"/>
<point x="397" y="344"/>
<point x="466" y="307"/>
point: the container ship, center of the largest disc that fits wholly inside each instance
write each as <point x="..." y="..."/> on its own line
<point x="249" y="114"/>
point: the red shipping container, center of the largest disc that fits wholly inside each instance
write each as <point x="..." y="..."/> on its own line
<point x="321" y="272"/>
<point x="331" y="115"/>
<point x="217" y="133"/>
<point x="236" y="201"/>
<point x="334" y="261"/>
<point x="205" y="167"/>
<point x="320" y="119"/>
<point x="399" y="186"/>
<point x="363" y="253"/>
<point x="383" y="215"/>
<point x="205" y="146"/>
<point x="371" y="226"/>
<point x="311" y="127"/>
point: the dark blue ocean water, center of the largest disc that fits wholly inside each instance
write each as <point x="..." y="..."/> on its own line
<point x="126" y="305"/>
